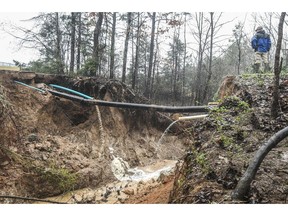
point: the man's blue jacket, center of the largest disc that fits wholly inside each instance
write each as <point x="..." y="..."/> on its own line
<point x="261" y="42"/>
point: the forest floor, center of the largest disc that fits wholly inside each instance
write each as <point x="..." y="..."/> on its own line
<point x="63" y="151"/>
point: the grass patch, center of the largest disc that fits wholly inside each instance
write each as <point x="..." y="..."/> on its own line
<point x="60" y="178"/>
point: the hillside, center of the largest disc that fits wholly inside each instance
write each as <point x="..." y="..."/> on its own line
<point x="224" y="143"/>
<point x="61" y="150"/>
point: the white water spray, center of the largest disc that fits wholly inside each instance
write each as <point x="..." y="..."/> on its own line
<point x="101" y="131"/>
<point x="123" y="172"/>
<point x="179" y="119"/>
<point x="166" y="131"/>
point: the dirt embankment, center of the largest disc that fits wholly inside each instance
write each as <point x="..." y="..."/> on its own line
<point x="51" y="145"/>
<point x="225" y="142"/>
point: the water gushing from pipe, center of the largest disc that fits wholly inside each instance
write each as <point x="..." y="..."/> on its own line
<point x="182" y="118"/>
<point x="101" y="131"/>
<point x="166" y="131"/>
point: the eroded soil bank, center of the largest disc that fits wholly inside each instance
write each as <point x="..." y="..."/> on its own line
<point x="226" y="141"/>
<point x="53" y="148"/>
<point x="51" y="145"/>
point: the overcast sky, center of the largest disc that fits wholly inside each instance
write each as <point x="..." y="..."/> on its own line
<point x="15" y="11"/>
<point x="10" y="48"/>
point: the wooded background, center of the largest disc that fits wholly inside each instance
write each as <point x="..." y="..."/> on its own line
<point x="171" y="58"/>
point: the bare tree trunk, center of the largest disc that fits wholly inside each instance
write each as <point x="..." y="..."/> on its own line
<point x="129" y="20"/>
<point x="239" y="46"/>
<point x="60" y="64"/>
<point x="132" y="50"/>
<point x="239" y="60"/>
<point x="184" y="64"/>
<point x="112" y="52"/>
<point x="275" y="99"/>
<point x="106" y="40"/>
<point x="176" y="65"/>
<point x="175" y="78"/>
<point x="72" y="50"/>
<point x="206" y="88"/>
<point x="151" y="53"/>
<point x="200" y="58"/>
<point x="243" y="185"/>
<point x="153" y="71"/>
<point x="155" y="63"/>
<point x="145" y="67"/>
<point x="136" y="66"/>
<point x="173" y="70"/>
<point x="79" y="42"/>
<point x="96" y="48"/>
<point x="270" y="15"/>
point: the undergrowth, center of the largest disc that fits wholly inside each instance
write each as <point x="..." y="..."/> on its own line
<point x="61" y="178"/>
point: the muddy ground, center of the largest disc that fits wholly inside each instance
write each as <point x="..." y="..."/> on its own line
<point x="53" y="148"/>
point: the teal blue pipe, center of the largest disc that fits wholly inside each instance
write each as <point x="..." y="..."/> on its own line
<point x="72" y="91"/>
<point x="32" y="87"/>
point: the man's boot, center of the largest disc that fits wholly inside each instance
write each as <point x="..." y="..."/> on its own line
<point x="256" y="68"/>
<point x="266" y="67"/>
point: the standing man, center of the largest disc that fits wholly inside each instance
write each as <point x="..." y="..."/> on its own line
<point x="261" y="44"/>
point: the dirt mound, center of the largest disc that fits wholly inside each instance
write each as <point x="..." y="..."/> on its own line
<point x="224" y="143"/>
<point x="51" y="145"/>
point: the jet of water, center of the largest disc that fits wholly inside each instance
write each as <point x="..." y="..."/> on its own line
<point x="180" y="119"/>
<point x="166" y="131"/>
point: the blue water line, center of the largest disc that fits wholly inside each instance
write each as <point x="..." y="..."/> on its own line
<point x="72" y="91"/>
<point x="32" y="87"/>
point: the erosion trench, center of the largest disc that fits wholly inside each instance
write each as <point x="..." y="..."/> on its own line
<point x="70" y="151"/>
<point x="62" y="150"/>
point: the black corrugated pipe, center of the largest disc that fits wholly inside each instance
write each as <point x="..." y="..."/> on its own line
<point x="243" y="185"/>
<point x="171" y="109"/>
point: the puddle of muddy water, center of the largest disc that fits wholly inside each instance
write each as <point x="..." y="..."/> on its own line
<point x="147" y="173"/>
<point x="130" y="181"/>
<point x="123" y="172"/>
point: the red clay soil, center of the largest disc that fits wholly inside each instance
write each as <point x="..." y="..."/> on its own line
<point x="155" y="195"/>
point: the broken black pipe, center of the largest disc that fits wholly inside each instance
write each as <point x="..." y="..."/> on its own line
<point x="171" y="109"/>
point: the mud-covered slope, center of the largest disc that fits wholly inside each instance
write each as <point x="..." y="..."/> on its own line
<point x="224" y="143"/>
<point x="50" y="145"/>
